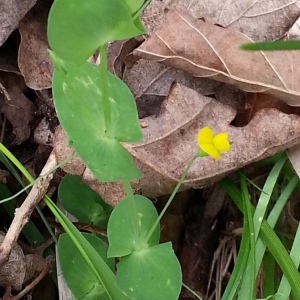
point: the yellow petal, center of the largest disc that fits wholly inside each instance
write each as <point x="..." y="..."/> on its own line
<point x="205" y="136"/>
<point x="210" y="150"/>
<point x="221" y="143"/>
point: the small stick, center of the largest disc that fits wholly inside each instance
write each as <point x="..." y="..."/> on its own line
<point x="23" y="213"/>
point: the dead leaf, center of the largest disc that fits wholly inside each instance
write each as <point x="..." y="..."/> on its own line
<point x="170" y="142"/>
<point x="153" y="16"/>
<point x="294" y="154"/>
<point x="117" y="53"/>
<point x="150" y="82"/>
<point x="260" y="20"/>
<point x="16" y="107"/>
<point x="210" y="51"/>
<point x="62" y="152"/>
<point x="8" y="59"/>
<point x="34" y="61"/>
<point x="12" y="273"/>
<point x="11" y="12"/>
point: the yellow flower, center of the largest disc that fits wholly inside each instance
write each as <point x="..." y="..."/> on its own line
<point x="212" y="144"/>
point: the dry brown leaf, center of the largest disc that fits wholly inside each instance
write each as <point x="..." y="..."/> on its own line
<point x="205" y="50"/>
<point x="34" y="61"/>
<point x="11" y="12"/>
<point x="16" y="107"/>
<point x="12" y="273"/>
<point x="260" y="19"/>
<point x="150" y="83"/>
<point x="170" y="142"/>
<point x="62" y="152"/>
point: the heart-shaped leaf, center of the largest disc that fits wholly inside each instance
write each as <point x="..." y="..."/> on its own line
<point x="127" y="233"/>
<point x="152" y="273"/>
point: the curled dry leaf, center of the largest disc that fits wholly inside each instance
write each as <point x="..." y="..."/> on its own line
<point x="205" y="50"/>
<point x="11" y="12"/>
<point x="12" y="273"/>
<point x="170" y="142"/>
<point x="34" y="61"/>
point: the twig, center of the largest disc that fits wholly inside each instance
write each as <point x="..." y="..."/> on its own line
<point x="23" y="213"/>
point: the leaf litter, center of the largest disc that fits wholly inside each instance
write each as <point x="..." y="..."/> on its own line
<point x="176" y="75"/>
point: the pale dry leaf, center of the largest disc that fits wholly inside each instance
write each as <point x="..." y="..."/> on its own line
<point x="294" y="156"/>
<point x="170" y="142"/>
<point x="205" y="50"/>
<point x="153" y="16"/>
<point x="11" y="12"/>
<point x="258" y="19"/>
<point x="34" y="61"/>
<point x="294" y="32"/>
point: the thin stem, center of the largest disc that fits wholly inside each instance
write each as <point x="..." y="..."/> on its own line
<point x="104" y="88"/>
<point x="141" y="9"/>
<point x="171" y="197"/>
<point x="15" y="161"/>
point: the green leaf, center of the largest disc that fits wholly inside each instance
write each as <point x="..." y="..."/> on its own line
<point x="134" y="5"/>
<point x="94" y="261"/>
<point x="83" y="202"/>
<point x="76" y="29"/>
<point x="83" y="283"/>
<point x="152" y="273"/>
<point x="127" y="233"/>
<point x="78" y="101"/>
<point x="271" y="46"/>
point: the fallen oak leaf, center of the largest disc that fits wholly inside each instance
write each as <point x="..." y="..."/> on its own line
<point x="205" y="50"/>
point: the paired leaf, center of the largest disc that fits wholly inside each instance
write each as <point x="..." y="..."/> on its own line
<point x="76" y="29"/>
<point x="129" y="224"/>
<point x="79" y="277"/>
<point x="78" y="101"/>
<point x="152" y="273"/>
<point x="83" y="202"/>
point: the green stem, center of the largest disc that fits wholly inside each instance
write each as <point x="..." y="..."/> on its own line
<point x="137" y="14"/>
<point x="248" y="223"/>
<point x="171" y="197"/>
<point x="14" y="160"/>
<point x="104" y="88"/>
